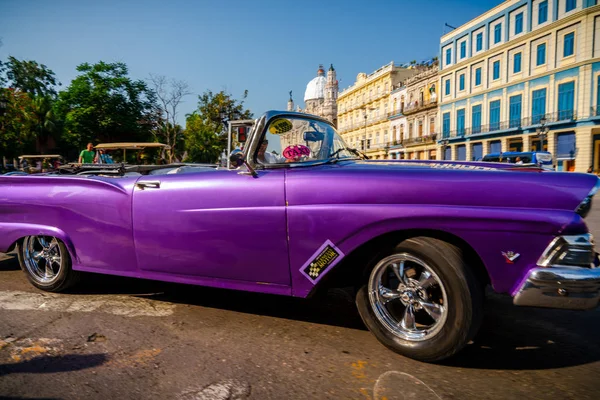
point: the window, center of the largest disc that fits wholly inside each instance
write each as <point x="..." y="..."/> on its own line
<point x="496" y="74"/>
<point x="566" y="100"/>
<point x="541" y="54"/>
<point x="517" y="63"/>
<point x="461" y="82"/>
<point x="569" y="44"/>
<point x="479" y="42"/>
<point x="476" y="118"/>
<point x="570" y="6"/>
<point x="446" y="125"/>
<point x="494" y="115"/>
<point x="478" y="77"/>
<point x="447" y="87"/>
<point x="518" y="23"/>
<point x="460" y="122"/>
<point x="515" y="111"/>
<point x="463" y="50"/>
<point x="448" y="56"/>
<point x="538" y="105"/>
<point x="497" y="33"/>
<point x="431" y="125"/>
<point x="543" y="12"/>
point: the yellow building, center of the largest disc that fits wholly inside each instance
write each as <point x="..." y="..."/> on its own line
<point x="362" y="110"/>
<point x="521" y="77"/>
<point x="420" y="110"/>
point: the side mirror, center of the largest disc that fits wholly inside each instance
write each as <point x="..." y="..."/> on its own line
<point x="313" y="136"/>
<point x="237" y="158"/>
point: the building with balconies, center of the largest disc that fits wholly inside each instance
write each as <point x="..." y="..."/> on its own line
<point x="397" y="121"/>
<point x="524" y="76"/>
<point x="421" y="112"/>
<point x="362" y="109"/>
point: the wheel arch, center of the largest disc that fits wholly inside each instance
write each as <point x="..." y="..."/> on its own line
<point x="15" y="233"/>
<point x="354" y="268"/>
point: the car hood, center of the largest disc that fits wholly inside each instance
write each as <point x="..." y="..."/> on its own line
<point x="475" y="184"/>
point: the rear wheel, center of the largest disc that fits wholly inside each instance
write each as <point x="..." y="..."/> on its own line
<point x="421" y="300"/>
<point x="47" y="263"/>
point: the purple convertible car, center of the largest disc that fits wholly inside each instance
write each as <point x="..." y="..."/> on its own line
<point x="300" y="211"/>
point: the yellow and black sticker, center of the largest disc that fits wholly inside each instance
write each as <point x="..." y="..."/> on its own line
<point x="324" y="259"/>
<point x="280" y="126"/>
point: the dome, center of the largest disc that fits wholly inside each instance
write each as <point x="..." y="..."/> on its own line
<point x="315" y="88"/>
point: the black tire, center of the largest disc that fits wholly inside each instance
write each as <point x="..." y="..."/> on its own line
<point x="62" y="280"/>
<point x="464" y="307"/>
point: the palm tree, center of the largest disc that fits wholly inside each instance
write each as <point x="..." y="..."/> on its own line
<point x="43" y="121"/>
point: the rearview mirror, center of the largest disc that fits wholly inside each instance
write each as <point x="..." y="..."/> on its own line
<point x="313" y="136"/>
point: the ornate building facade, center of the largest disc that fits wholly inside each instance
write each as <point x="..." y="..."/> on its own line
<point x="320" y="96"/>
<point x="363" y="109"/>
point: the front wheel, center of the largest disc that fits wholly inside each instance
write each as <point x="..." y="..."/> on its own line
<point x="421" y="300"/>
<point x="47" y="263"/>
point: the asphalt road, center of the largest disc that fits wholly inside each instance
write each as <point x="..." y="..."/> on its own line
<point x="116" y="338"/>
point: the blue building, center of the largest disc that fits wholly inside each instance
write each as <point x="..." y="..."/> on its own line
<point x="524" y="76"/>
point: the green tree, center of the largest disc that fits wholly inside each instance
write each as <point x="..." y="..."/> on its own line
<point x="16" y="135"/>
<point x="31" y="77"/>
<point x="202" y="144"/>
<point x="43" y="121"/>
<point x="211" y="105"/>
<point x="103" y="104"/>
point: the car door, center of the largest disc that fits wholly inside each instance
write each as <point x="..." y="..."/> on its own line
<point x="217" y="223"/>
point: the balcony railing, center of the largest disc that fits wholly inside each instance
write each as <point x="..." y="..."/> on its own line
<point x="425" y="139"/>
<point x="417" y="106"/>
<point x="516" y="124"/>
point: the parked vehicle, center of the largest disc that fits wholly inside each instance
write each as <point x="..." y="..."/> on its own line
<point x="541" y="158"/>
<point x="302" y="212"/>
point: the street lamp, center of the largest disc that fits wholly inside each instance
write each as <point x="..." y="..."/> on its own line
<point x="542" y="131"/>
<point x="444" y="143"/>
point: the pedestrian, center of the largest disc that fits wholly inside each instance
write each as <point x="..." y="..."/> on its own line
<point x="590" y="170"/>
<point x="87" y="156"/>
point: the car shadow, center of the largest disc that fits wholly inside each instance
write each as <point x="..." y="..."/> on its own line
<point x="9" y="262"/>
<point x="54" y="364"/>
<point x="336" y="307"/>
<point x="525" y="338"/>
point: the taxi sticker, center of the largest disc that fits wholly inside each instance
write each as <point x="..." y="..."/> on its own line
<point x="321" y="261"/>
<point x="280" y="126"/>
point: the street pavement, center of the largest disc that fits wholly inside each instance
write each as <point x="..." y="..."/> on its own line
<point x="117" y="338"/>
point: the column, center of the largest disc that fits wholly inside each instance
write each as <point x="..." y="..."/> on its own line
<point x="584" y="145"/>
<point x="552" y="107"/>
<point x="504" y="142"/>
<point x="526" y="143"/>
<point x="468" y="146"/>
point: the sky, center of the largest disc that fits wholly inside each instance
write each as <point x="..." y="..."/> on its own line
<point x="267" y="47"/>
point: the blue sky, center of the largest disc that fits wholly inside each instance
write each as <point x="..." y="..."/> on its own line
<point x="268" y="47"/>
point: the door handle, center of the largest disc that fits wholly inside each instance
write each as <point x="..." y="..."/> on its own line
<point x="148" y="184"/>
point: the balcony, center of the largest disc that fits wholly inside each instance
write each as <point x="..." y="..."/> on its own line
<point x="516" y="125"/>
<point x="416" y="106"/>
<point x="415" y="141"/>
<point x="393" y="114"/>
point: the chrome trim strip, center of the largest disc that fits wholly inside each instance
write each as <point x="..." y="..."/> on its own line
<point x="573" y="288"/>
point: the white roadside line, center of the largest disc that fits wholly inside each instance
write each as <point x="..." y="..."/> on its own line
<point x="127" y="306"/>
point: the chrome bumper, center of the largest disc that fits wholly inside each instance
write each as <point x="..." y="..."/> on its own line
<point x="573" y="288"/>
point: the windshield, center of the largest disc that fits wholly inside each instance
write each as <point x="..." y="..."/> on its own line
<point x="293" y="139"/>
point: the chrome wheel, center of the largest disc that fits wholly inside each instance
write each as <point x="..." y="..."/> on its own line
<point x="43" y="258"/>
<point x="408" y="297"/>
